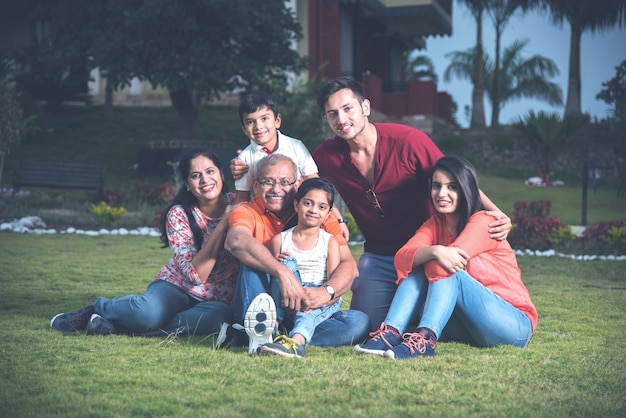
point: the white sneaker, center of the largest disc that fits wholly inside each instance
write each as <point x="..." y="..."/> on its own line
<point x="260" y="321"/>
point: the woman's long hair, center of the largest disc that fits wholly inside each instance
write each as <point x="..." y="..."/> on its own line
<point x="185" y="198"/>
<point x="465" y="175"/>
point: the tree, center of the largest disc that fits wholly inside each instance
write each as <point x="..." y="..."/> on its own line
<point x="548" y="134"/>
<point x="520" y="78"/>
<point x="462" y="66"/>
<point x="110" y="49"/>
<point x="202" y="47"/>
<point x="13" y="125"/>
<point x="54" y="68"/>
<point x="614" y="94"/>
<point x="476" y="8"/>
<point x="194" y="48"/>
<point x="500" y="12"/>
<point x="582" y="16"/>
<point x="420" y="67"/>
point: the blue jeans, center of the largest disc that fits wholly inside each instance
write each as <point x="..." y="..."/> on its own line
<point x="374" y="289"/>
<point x="304" y="323"/>
<point x="342" y="328"/>
<point x="164" y="309"/>
<point x="458" y="308"/>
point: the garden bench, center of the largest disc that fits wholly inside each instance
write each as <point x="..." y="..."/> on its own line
<point x="59" y="175"/>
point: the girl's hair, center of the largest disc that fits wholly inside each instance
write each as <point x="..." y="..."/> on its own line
<point x="317" y="183"/>
<point x="464" y="174"/>
<point x="340" y="83"/>
<point x="185" y="198"/>
<point x="251" y="102"/>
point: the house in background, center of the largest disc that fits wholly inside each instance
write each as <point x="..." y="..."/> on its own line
<point x="368" y="39"/>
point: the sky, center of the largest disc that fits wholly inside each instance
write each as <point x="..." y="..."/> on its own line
<point x="600" y="54"/>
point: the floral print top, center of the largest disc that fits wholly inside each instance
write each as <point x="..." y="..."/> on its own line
<point x="220" y="285"/>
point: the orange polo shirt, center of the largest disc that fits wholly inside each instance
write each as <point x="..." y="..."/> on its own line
<point x="492" y="263"/>
<point x="264" y="224"/>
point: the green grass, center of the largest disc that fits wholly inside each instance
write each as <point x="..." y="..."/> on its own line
<point x="602" y="205"/>
<point x="575" y="364"/>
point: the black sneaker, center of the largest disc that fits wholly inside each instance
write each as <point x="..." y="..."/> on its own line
<point x="97" y="325"/>
<point x="72" y="321"/>
<point x="381" y="340"/>
<point x="260" y="321"/>
<point x="283" y="346"/>
<point x="416" y="344"/>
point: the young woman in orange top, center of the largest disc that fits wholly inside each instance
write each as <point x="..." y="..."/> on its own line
<point x="460" y="284"/>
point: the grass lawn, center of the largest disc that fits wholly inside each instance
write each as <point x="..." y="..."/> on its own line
<point x="574" y="366"/>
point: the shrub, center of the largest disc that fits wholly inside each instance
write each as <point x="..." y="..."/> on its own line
<point x="605" y="237"/>
<point x="562" y="236"/>
<point x="596" y="234"/>
<point x="537" y="209"/>
<point x="110" y="215"/>
<point x="534" y="233"/>
<point x="153" y="194"/>
<point x="533" y="229"/>
<point x="453" y="145"/>
<point x="353" y="228"/>
<point x="156" y="220"/>
<point x="502" y="142"/>
<point x="113" y="196"/>
<point x="616" y="239"/>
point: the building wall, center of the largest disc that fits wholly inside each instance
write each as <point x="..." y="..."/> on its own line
<point x="371" y="52"/>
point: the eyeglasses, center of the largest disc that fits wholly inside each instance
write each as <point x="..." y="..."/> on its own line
<point x="270" y="183"/>
<point x="371" y="197"/>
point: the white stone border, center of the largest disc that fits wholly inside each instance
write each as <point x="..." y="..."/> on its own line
<point x="35" y="225"/>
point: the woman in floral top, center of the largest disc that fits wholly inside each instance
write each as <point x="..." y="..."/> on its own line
<point x="192" y="293"/>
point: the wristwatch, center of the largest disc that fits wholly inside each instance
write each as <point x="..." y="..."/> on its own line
<point x="330" y="291"/>
<point x="343" y="220"/>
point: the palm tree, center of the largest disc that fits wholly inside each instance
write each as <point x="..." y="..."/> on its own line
<point x="520" y="78"/>
<point x="500" y="12"/>
<point x="420" y="67"/>
<point x="548" y="134"/>
<point x="462" y="66"/>
<point x="582" y="16"/>
<point x="476" y="8"/>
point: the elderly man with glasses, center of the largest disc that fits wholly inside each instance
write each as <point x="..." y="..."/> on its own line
<point x="252" y="225"/>
<point x="381" y="170"/>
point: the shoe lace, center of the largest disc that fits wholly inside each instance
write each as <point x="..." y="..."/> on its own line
<point x="416" y="342"/>
<point x="288" y="343"/>
<point x="379" y="334"/>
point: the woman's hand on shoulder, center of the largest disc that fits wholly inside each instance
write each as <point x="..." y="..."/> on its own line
<point x="226" y="215"/>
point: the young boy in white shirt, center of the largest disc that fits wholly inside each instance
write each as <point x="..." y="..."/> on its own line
<point x="260" y="121"/>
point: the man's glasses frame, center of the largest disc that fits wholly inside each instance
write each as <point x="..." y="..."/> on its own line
<point x="371" y="197"/>
<point x="270" y="183"/>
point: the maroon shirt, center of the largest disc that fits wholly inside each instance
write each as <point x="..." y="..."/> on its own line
<point x="403" y="163"/>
